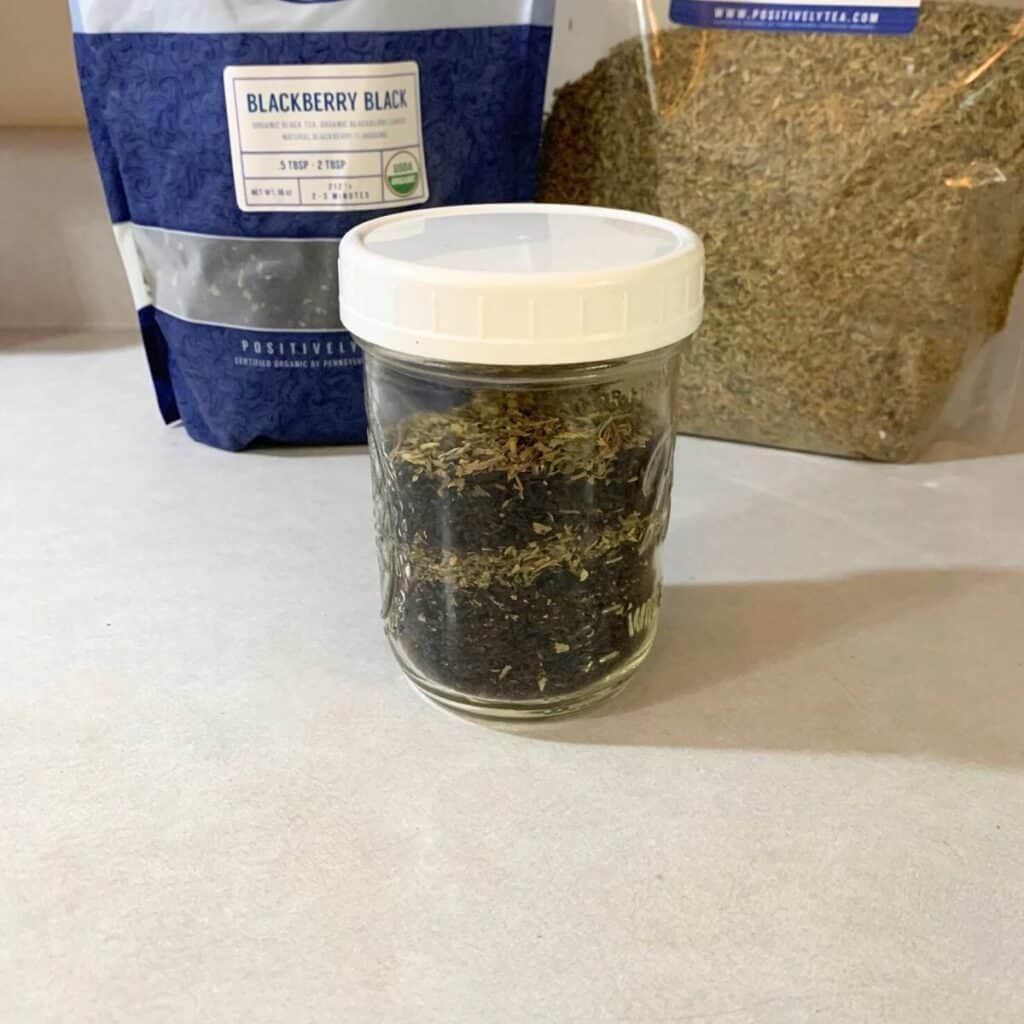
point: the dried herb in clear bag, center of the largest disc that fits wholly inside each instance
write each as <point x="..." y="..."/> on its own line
<point x="861" y="201"/>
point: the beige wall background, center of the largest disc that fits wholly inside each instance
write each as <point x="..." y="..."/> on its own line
<point x="38" y="83"/>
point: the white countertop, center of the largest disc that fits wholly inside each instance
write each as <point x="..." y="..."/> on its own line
<point x="220" y="801"/>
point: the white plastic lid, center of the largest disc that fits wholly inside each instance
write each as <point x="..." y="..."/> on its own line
<point x="521" y="284"/>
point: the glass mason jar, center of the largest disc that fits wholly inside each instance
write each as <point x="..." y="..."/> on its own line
<point x="520" y="397"/>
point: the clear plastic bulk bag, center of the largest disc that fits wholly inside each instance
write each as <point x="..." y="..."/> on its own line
<point x="857" y="176"/>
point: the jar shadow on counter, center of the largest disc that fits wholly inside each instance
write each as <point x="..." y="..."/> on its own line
<point x="908" y="663"/>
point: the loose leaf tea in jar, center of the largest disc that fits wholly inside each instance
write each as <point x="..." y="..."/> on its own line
<point x="520" y="374"/>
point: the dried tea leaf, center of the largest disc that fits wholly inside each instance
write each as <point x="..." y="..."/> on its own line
<point x="510" y="521"/>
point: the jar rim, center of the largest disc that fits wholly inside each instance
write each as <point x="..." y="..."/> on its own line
<point x="521" y="283"/>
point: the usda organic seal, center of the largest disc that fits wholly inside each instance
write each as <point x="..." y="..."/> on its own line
<point x="402" y="173"/>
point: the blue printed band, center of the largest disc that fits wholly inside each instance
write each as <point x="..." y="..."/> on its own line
<point x="159" y="123"/>
<point x="784" y="17"/>
<point x="234" y="388"/>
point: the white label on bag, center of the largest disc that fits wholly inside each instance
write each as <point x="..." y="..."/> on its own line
<point x="317" y="137"/>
